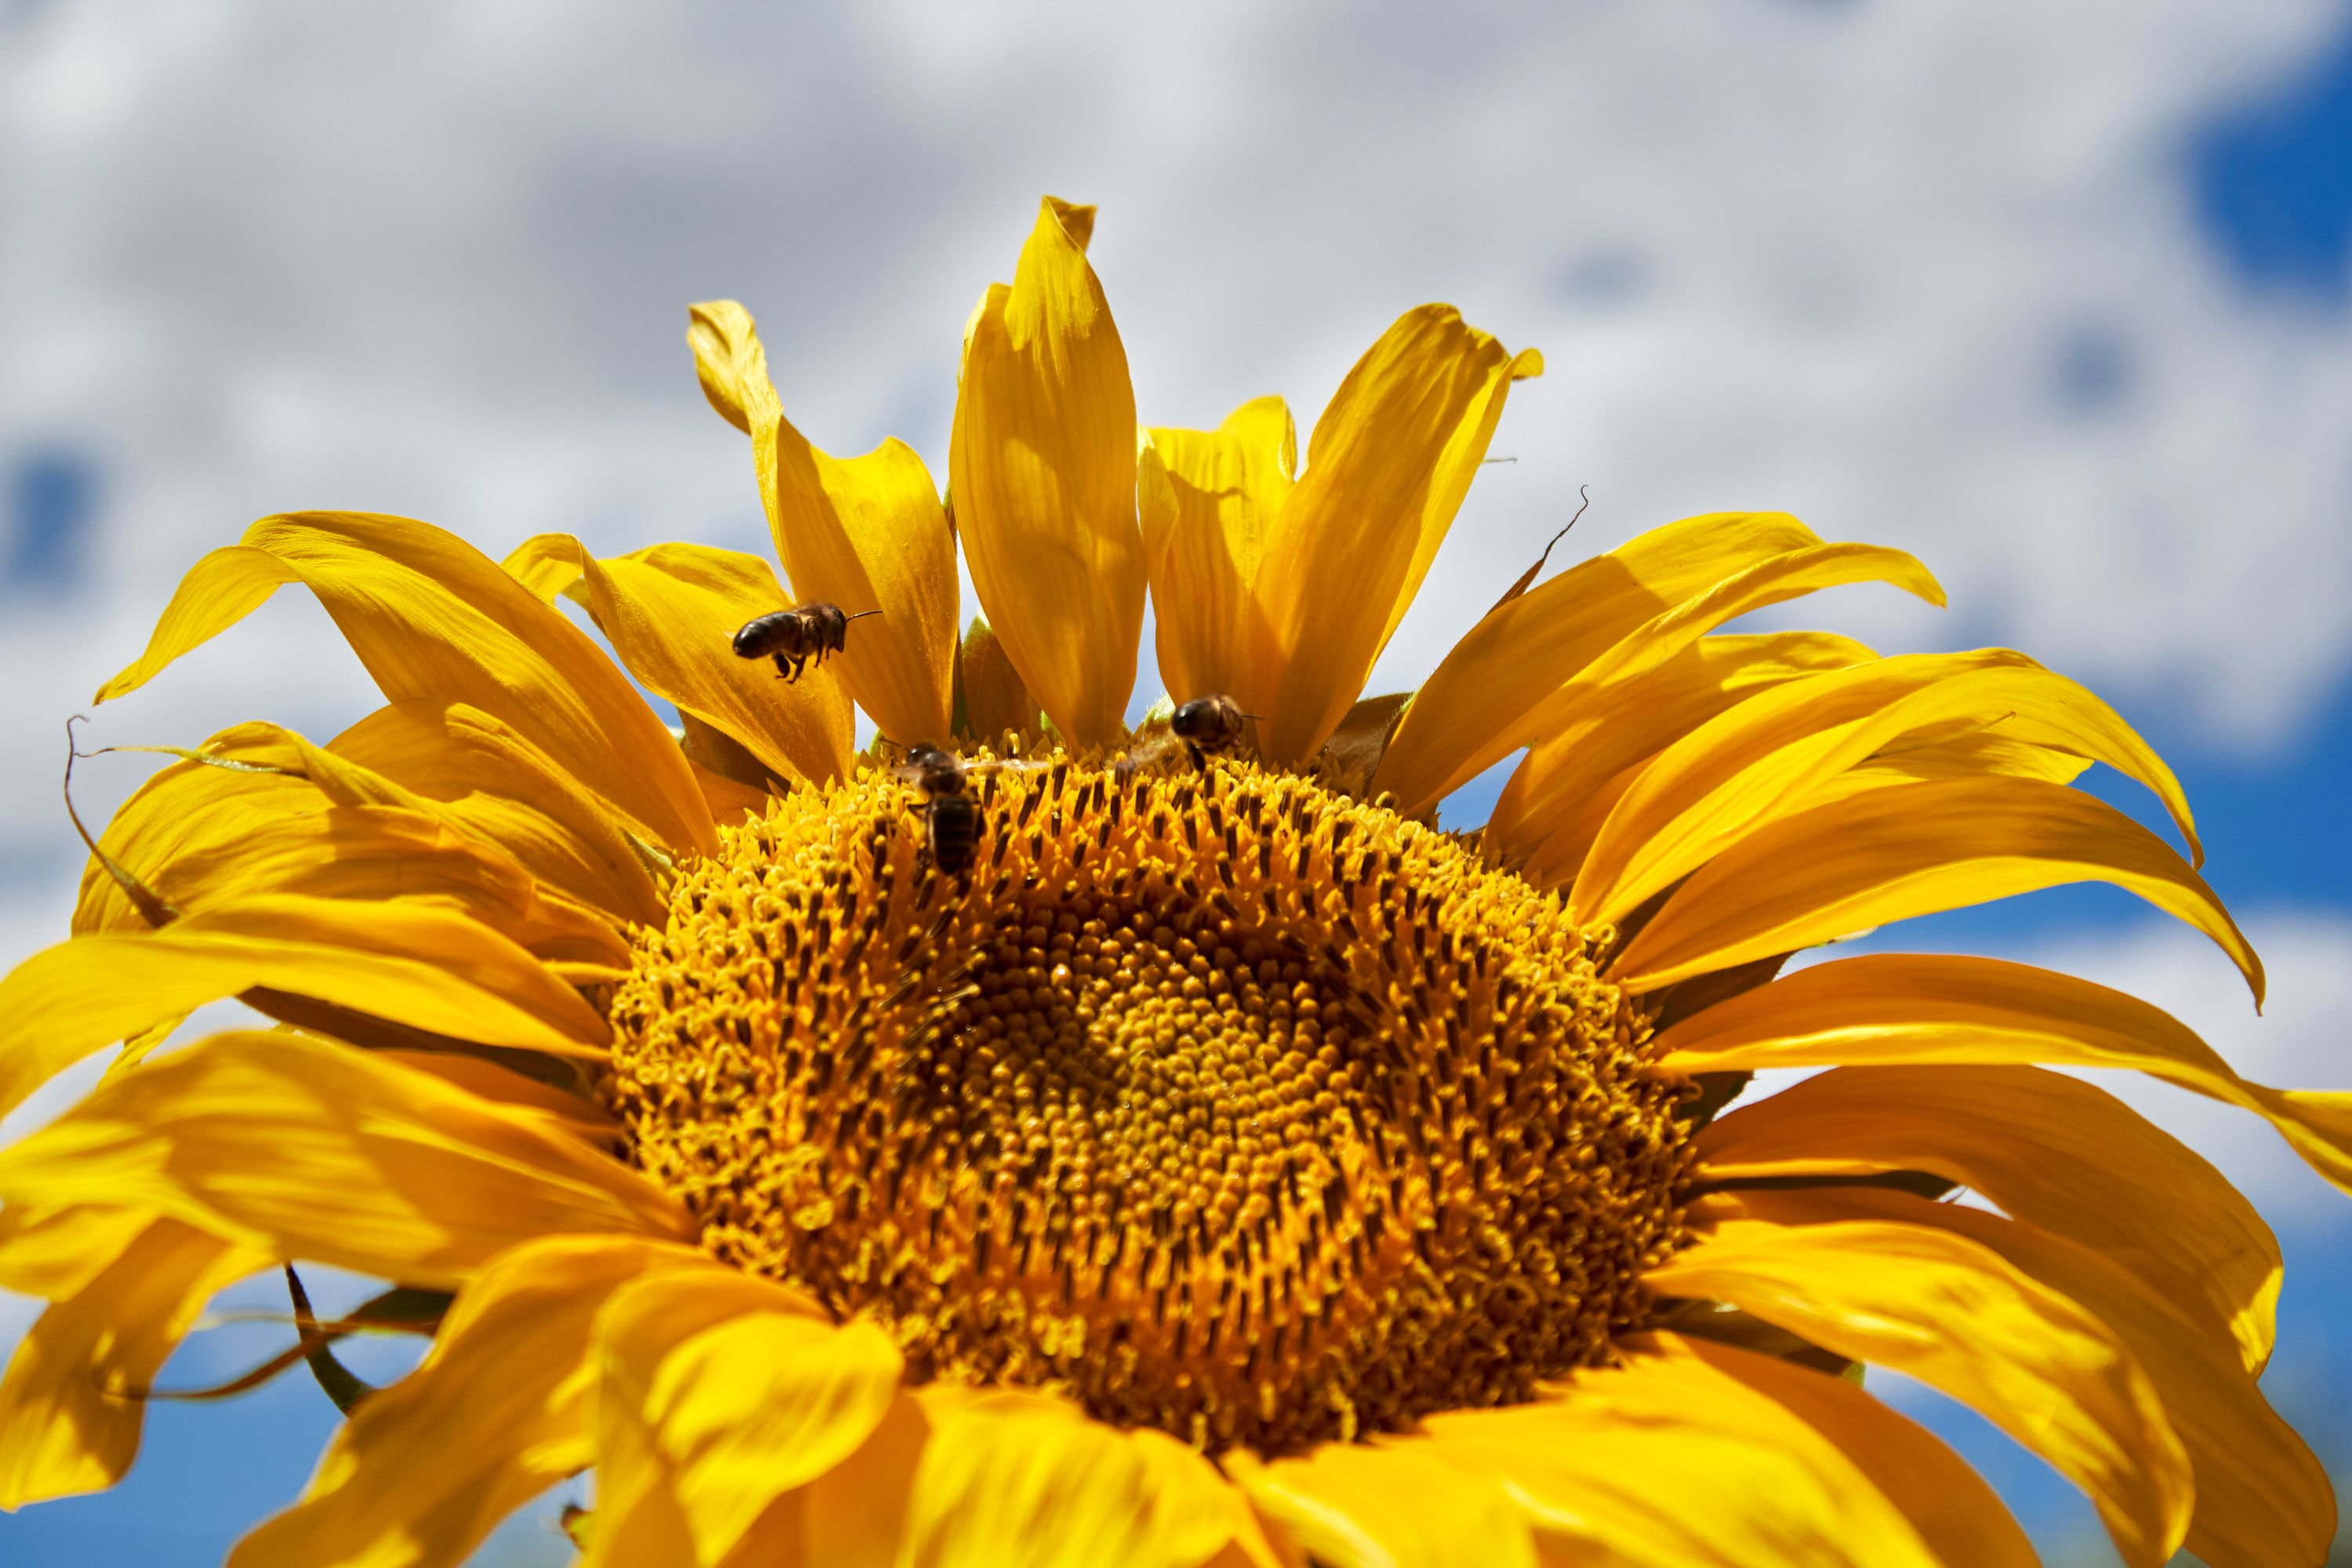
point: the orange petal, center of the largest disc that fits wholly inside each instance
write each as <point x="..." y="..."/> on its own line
<point x="2048" y="1149"/>
<point x="1387" y="467"/>
<point x="1885" y="856"/>
<point x="435" y="620"/>
<point x="1043" y="467"/>
<point x="1475" y="704"/>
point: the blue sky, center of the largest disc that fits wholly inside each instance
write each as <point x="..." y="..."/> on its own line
<point x="2066" y="307"/>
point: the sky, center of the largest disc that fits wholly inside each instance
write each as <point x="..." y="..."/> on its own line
<point x="2059" y="298"/>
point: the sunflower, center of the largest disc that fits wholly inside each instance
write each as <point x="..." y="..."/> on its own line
<point x="1199" y="1156"/>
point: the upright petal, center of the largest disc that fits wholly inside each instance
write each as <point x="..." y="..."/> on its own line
<point x="1891" y="853"/>
<point x="435" y="620"/>
<point x="74" y="1397"/>
<point x="995" y="702"/>
<point x="1961" y="1318"/>
<point x="374" y="1166"/>
<point x="2048" y="1149"/>
<point x="1223" y="490"/>
<point x="1043" y="468"/>
<point x="672" y="611"/>
<point x="1475" y="704"/>
<point x="427" y="1466"/>
<point x="862" y="532"/>
<point x="1387" y="467"/>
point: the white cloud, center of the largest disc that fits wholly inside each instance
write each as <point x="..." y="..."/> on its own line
<point x="1831" y="259"/>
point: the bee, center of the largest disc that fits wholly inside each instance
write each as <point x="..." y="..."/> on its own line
<point x="952" y="821"/>
<point x="1208" y="726"/>
<point x="795" y="637"/>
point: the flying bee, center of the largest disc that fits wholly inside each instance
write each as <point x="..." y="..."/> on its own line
<point x="1208" y="726"/>
<point x="795" y="637"/>
<point x="952" y="821"/>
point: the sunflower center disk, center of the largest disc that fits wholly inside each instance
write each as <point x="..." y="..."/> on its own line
<point x="1222" y="1104"/>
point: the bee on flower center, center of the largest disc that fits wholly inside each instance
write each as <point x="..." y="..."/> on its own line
<point x="952" y="821"/>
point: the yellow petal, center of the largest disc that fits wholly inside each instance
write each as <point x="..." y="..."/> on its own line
<point x="1223" y="489"/>
<point x="1897" y="1008"/>
<point x="1535" y="792"/>
<point x="1346" y="761"/>
<point x="1960" y="1318"/>
<point x="1021" y="1480"/>
<point x="1398" y="1504"/>
<point x="2048" y="1149"/>
<point x="427" y="1466"/>
<point x="1477" y="703"/>
<point x="1756" y="763"/>
<point x="1041" y="463"/>
<point x="73" y="1398"/>
<point x="175" y="827"/>
<point x="1874" y="859"/>
<point x="671" y="613"/>
<point x="1387" y="467"/>
<point x="1956" y="1513"/>
<point x="1603" y="1468"/>
<point x="719" y="1393"/>
<point x="863" y="533"/>
<point x="503" y="788"/>
<point x="855" y="1514"/>
<point x="433" y="619"/>
<point x="373" y="1166"/>
<point x="358" y="835"/>
<point x="996" y="704"/>
<point x="1606" y="746"/>
<point x="2263" y="1500"/>
<point x="422" y="967"/>
<point x="53" y="1253"/>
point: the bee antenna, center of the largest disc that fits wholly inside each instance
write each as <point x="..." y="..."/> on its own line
<point x="144" y="899"/>
<point x="861" y="615"/>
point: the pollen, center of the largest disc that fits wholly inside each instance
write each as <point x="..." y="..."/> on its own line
<point x="1217" y="1101"/>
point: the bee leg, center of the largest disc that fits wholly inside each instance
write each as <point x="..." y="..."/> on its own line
<point x="1200" y="758"/>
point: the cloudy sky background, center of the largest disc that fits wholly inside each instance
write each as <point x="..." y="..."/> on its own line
<point x="2055" y="296"/>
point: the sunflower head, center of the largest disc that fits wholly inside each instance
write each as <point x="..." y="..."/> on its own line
<point x="1032" y="1139"/>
